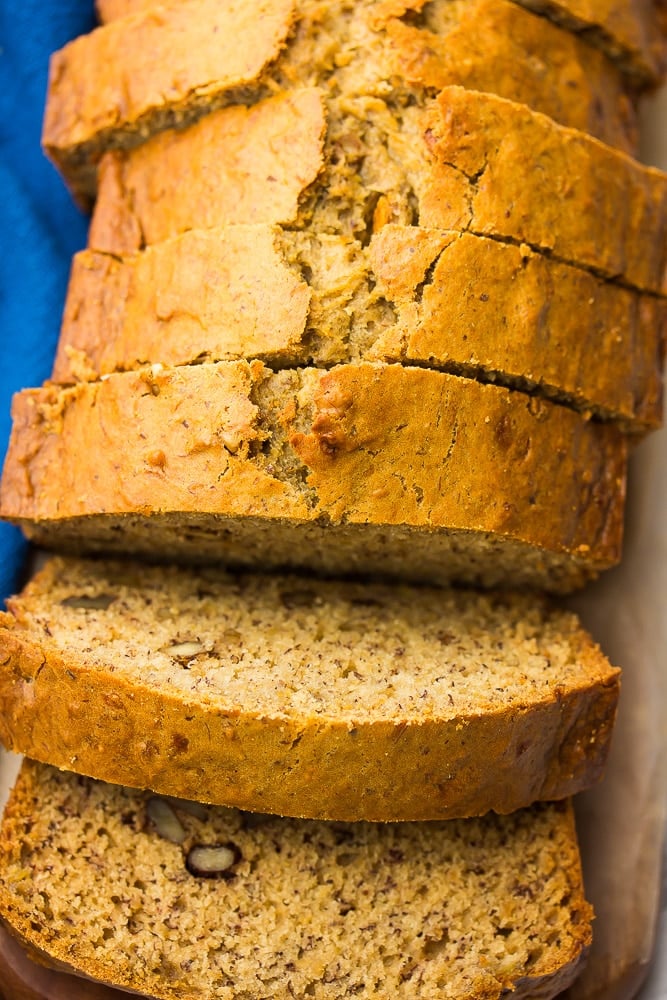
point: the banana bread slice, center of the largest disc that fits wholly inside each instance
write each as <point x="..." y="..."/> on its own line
<point x="458" y="302"/>
<point x="632" y="33"/>
<point x="364" y="468"/>
<point x="105" y="94"/>
<point x="173" y="899"/>
<point x="466" y="161"/>
<point x="236" y="164"/>
<point x="302" y="697"/>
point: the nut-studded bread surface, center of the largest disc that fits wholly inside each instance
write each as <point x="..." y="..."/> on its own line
<point x="105" y="94"/>
<point x="362" y="468"/>
<point x="302" y="697"/>
<point x="467" y="161"/>
<point x="462" y="303"/>
<point x="215" y="903"/>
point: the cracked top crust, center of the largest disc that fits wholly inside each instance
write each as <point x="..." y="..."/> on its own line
<point x="103" y="82"/>
<point x="499" y="169"/>
<point x="458" y="302"/>
<point x="105" y="95"/>
<point x="469" y="161"/>
<point x="630" y="32"/>
<point x="236" y="165"/>
<point x="384" y="445"/>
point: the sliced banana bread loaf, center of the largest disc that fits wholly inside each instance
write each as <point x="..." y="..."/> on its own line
<point x="467" y="161"/>
<point x="178" y="901"/>
<point x="364" y="468"/>
<point x="301" y="697"/>
<point x="458" y="302"/>
<point x="104" y="93"/>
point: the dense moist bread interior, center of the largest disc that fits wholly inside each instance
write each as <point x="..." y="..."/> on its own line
<point x="461" y="909"/>
<point x="349" y="550"/>
<point x="298" y="647"/>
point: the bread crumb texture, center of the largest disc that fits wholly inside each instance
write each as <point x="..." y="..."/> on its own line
<point x="464" y="909"/>
<point x="301" y="697"/>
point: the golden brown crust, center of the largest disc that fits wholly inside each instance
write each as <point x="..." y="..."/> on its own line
<point x="464" y="303"/>
<point x="504" y="432"/>
<point x="58" y="706"/>
<point x="193" y="438"/>
<point x="104" y="92"/>
<point x="206" y="295"/>
<point x="272" y="152"/>
<point x="378" y="445"/>
<point x="299" y="769"/>
<point x="494" y="47"/>
<point x="509" y="311"/>
<point x="517" y="175"/>
<point x="521" y="178"/>
<point x="629" y="32"/>
<point x="632" y="32"/>
<point x="111" y="10"/>
<point x="527" y="862"/>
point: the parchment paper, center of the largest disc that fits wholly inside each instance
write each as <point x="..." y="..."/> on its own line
<point x="621" y="823"/>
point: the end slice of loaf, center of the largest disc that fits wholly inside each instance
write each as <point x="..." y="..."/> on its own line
<point x="464" y="909"/>
<point x="301" y="697"/>
<point x="360" y="469"/>
<point x="461" y="303"/>
<point x="105" y="94"/>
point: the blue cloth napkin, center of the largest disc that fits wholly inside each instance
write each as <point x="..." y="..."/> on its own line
<point x="40" y="227"/>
